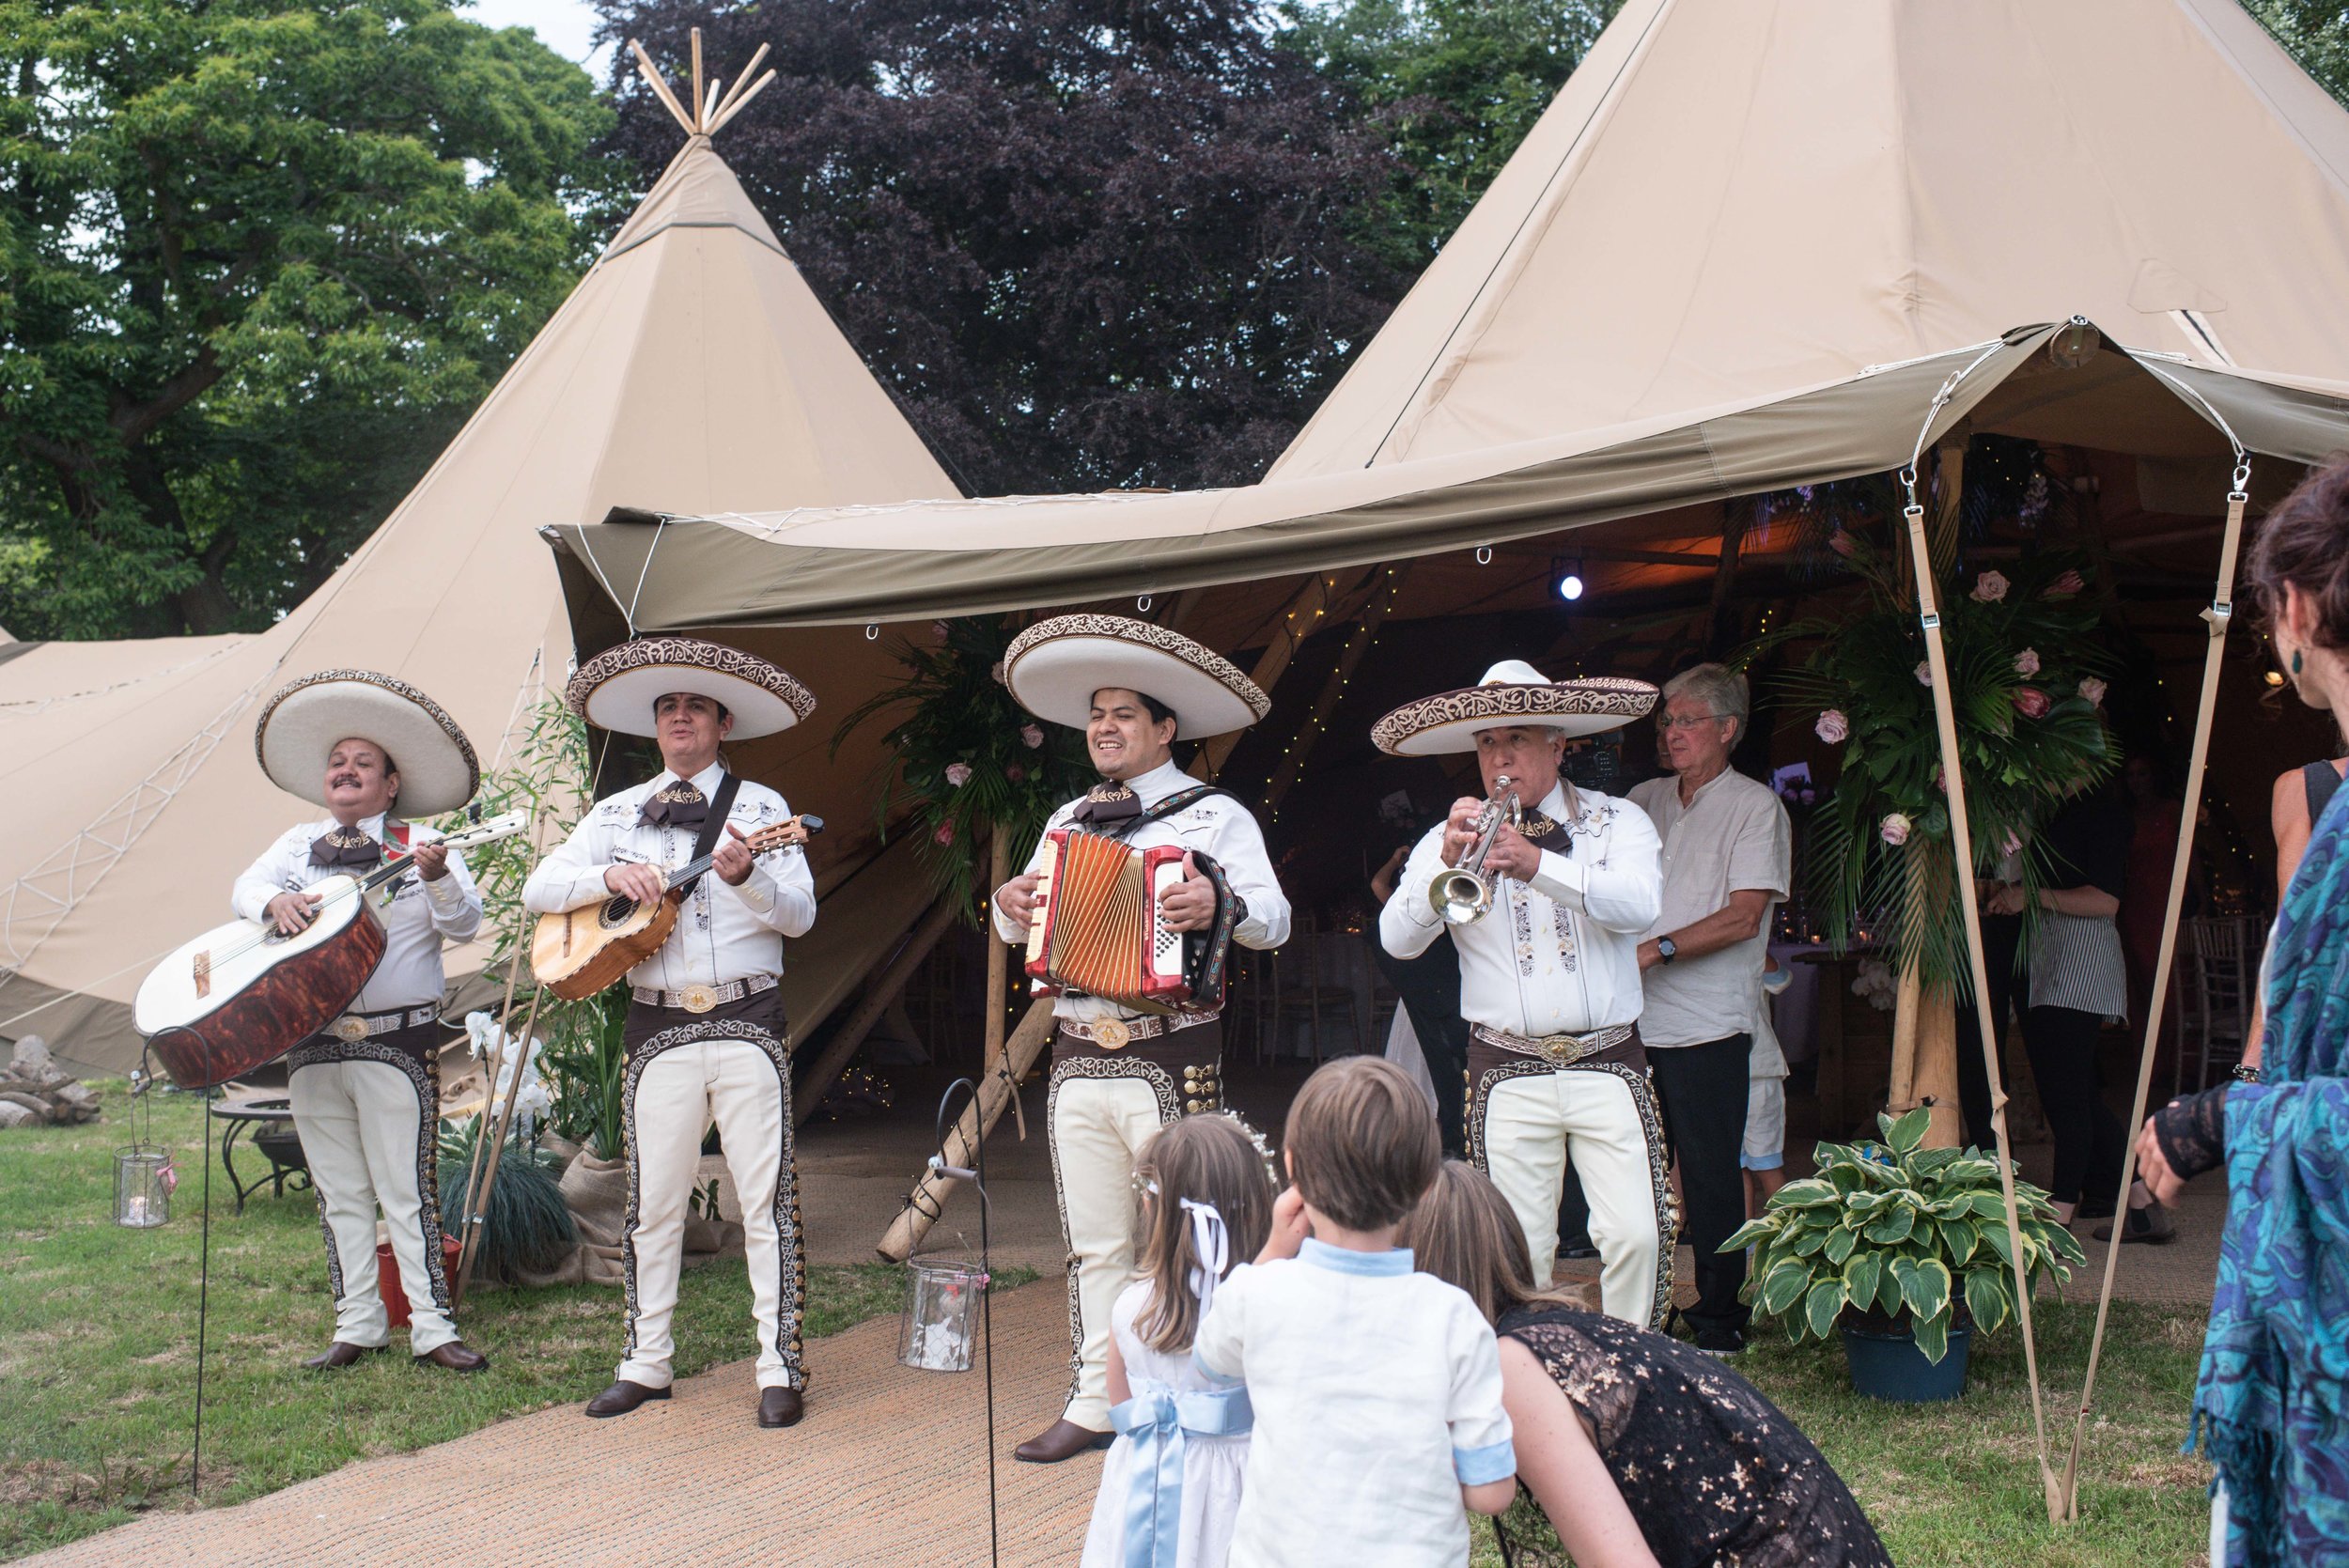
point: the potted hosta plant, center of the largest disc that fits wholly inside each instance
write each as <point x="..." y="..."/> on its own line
<point x="1903" y="1249"/>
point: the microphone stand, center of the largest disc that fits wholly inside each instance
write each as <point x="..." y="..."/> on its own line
<point x="977" y="1175"/>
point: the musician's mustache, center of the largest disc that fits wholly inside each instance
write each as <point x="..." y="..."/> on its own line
<point x="341" y="779"/>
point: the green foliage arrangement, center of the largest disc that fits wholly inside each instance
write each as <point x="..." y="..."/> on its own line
<point x="2027" y="693"/>
<point x="525" y="1225"/>
<point x="968" y="760"/>
<point x="1895" y="1233"/>
<point x="547" y="775"/>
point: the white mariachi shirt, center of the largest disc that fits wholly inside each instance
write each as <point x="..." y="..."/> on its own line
<point x="421" y="916"/>
<point x="722" y="933"/>
<point x="1562" y="955"/>
<point x="1215" y="825"/>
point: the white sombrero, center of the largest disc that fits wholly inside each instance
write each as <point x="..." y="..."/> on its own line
<point x="616" y="690"/>
<point x="1054" y="667"/>
<point x="298" y="731"/>
<point x="1512" y="692"/>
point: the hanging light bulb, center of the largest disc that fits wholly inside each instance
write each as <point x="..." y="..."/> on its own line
<point x="1565" y="575"/>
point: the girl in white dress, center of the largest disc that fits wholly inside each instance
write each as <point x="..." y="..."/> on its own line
<point x="1170" y="1487"/>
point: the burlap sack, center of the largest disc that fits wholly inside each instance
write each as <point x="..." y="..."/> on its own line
<point x="596" y="1191"/>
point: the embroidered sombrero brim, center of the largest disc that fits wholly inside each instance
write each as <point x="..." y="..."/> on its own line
<point x="298" y="728"/>
<point x="616" y="690"/>
<point x="1054" y="667"/>
<point x="1449" y="721"/>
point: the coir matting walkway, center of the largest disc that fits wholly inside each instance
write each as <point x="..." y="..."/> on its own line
<point x="889" y="1467"/>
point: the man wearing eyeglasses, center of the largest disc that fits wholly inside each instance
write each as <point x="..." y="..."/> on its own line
<point x="1726" y="864"/>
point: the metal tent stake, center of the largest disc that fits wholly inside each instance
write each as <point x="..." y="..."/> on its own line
<point x="977" y="1175"/>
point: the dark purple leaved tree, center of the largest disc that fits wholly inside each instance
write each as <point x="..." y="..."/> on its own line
<point x="1085" y="243"/>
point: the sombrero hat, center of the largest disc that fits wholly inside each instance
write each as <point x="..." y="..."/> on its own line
<point x="616" y="690"/>
<point x="1054" y="667"/>
<point x="298" y="730"/>
<point x="1512" y="692"/>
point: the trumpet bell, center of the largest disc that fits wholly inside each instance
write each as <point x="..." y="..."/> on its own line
<point x="1461" y="897"/>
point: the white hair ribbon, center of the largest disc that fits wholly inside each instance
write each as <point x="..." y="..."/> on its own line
<point x="1213" y="1244"/>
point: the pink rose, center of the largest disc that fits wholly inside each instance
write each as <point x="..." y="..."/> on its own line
<point x="996" y="669"/>
<point x="1894" y="829"/>
<point x="1031" y="736"/>
<point x="2014" y="845"/>
<point x="945" y="833"/>
<point x="1014" y="773"/>
<point x="2031" y="703"/>
<point x="2027" y="663"/>
<point x="1841" y="543"/>
<point x="2092" y="688"/>
<point x="1833" y="727"/>
<point x="2065" y="586"/>
<point x="938" y="631"/>
<point x="1941" y="777"/>
<point x="1924" y="672"/>
<point x="1990" y="587"/>
<point x="958" y="773"/>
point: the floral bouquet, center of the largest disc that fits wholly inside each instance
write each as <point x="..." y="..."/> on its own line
<point x="967" y="759"/>
<point x="2027" y="690"/>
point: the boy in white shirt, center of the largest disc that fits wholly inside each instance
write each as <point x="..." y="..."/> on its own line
<point x="1376" y="1388"/>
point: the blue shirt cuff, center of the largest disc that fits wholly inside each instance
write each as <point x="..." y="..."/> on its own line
<point x="1493" y="1462"/>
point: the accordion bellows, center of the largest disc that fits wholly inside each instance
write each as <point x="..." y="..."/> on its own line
<point x="1097" y="928"/>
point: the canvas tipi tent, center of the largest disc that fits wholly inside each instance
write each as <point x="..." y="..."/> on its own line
<point x="692" y="365"/>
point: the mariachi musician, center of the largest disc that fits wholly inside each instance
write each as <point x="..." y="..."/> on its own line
<point x="1550" y="969"/>
<point x="366" y="1090"/>
<point x="1117" y="1075"/>
<point x="705" y="1032"/>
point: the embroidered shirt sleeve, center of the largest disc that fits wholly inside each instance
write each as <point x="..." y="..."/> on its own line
<point x="269" y="874"/>
<point x="572" y="877"/>
<point x="1408" y="924"/>
<point x="780" y="890"/>
<point x="1614" y="876"/>
<point x="1238" y="843"/>
<point x="454" y="900"/>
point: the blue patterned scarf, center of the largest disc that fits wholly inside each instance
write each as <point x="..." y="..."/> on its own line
<point x="2276" y="1363"/>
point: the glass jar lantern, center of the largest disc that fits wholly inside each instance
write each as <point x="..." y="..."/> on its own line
<point x="143" y="1182"/>
<point x="940" y="1330"/>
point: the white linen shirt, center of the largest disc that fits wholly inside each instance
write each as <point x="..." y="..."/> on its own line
<point x="1560" y="956"/>
<point x="1378" y="1396"/>
<point x="415" y="923"/>
<point x="1216" y="825"/>
<point x="1733" y="837"/>
<point x="722" y="933"/>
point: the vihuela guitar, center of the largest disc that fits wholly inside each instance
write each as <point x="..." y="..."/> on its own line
<point x="243" y="994"/>
<point x="578" y="953"/>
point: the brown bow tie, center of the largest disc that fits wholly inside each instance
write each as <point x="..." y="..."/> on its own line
<point x="1107" y="804"/>
<point x="1542" y="833"/>
<point x="345" y="846"/>
<point x="680" y="805"/>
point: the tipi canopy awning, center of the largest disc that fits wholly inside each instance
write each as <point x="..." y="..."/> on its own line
<point x="830" y="566"/>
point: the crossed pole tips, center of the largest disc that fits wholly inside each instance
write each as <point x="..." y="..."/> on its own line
<point x="711" y="110"/>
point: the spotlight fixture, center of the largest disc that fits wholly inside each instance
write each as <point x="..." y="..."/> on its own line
<point x="2275" y="678"/>
<point x="1565" y="575"/>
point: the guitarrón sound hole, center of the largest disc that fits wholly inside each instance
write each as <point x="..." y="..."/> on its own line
<point x="615" y="911"/>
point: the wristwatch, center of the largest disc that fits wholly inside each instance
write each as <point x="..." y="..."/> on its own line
<point x="1666" y="950"/>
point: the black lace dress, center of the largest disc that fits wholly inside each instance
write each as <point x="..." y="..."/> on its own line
<point x="1713" y="1473"/>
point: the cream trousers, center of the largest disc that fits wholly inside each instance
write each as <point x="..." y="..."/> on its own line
<point x="1099" y="1125"/>
<point x="673" y="1098"/>
<point x="363" y="1127"/>
<point x="1532" y="1124"/>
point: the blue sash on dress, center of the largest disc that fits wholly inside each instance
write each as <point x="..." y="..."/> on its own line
<point x="1160" y="1418"/>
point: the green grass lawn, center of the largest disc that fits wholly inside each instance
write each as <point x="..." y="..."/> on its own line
<point x="98" y="1340"/>
<point x="1954" y="1485"/>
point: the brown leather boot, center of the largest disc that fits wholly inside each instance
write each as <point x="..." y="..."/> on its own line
<point x="622" y="1397"/>
<point x="341" y="1354"/>
<point x="457" y="1356"/>
<point x="1062" y="1439"/>
<point x="780" y="1408"/>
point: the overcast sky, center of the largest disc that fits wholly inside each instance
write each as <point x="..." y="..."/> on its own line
<point x="565" y="26"/>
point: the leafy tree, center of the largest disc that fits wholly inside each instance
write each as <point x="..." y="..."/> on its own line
<point x="258" y="259"/>
<point x="1085" y="242"/>
<point x="1450" y="85"/>
<point x="2313" y="32"/>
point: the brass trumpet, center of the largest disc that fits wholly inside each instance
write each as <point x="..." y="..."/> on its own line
<point x="1462" y="893"/>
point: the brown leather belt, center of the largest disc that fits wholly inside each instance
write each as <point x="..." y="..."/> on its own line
<point x="1618" y="1044"/>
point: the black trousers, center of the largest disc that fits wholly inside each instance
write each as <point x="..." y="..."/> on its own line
<point x="2089" y="1138"/>
<point x="1429" y="986"/>
<point x="2000" y="936"/>
<point x="1702" y="1093"/>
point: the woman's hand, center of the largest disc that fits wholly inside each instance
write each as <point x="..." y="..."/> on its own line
<point x="2153" y="1167"/>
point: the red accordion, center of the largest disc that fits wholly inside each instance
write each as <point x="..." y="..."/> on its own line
<point x="1097" y="928"/>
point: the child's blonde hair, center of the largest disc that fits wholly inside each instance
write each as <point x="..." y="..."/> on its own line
<point x="1465" y="1233"/>
<point x="1211" y="1160"/>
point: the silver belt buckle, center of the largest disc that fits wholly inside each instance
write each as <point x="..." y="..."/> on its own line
<point x="351" y="1027"/>
<point x="698" y="999"/>
<point x="1110" y="1034"/>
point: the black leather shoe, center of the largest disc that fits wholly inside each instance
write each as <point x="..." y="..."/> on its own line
<point x="341" y="1354"/>
<point x="1062" y="1439"/>
<point x="2150" y="1224"/>
<point x="622" y="1397"/>
<point x="457" y="1356"/>
<point x="780" y="1408"/>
